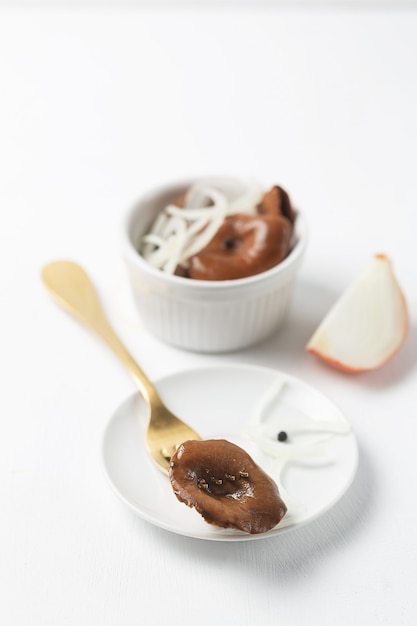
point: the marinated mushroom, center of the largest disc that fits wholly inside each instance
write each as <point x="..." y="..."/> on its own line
<point x="277" y="202"/>
<point x="224" y="484"/>
<point x="207" y="235"/>
<point x="243" y="246"/>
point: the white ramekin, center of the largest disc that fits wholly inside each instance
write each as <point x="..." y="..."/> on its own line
<point x="206" y="316"/>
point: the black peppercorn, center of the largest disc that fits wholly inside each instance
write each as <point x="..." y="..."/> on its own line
<point x="282" y="436"/>
<point x="229" y="244"/>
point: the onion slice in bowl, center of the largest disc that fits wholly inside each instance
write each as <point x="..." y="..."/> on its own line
<point x="179" y="233"/>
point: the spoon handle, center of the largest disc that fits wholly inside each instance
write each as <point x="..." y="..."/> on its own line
<point x="71" y="287"/>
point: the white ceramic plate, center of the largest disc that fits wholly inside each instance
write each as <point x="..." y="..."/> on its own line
<point x="218" y="402"/>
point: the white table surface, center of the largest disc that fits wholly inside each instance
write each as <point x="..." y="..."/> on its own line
<point x="97" y="106"/>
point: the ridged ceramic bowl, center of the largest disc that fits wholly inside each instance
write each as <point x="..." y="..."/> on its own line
<point x="206" y="316"/>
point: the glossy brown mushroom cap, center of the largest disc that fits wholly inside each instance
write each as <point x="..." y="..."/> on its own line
<point x="243" y="246"/>
<point x="223" y="483"/>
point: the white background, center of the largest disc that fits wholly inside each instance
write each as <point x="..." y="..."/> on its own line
<point x="100" y="103"/>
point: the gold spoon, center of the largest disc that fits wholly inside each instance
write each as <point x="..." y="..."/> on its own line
<point x="74" y="291"/>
